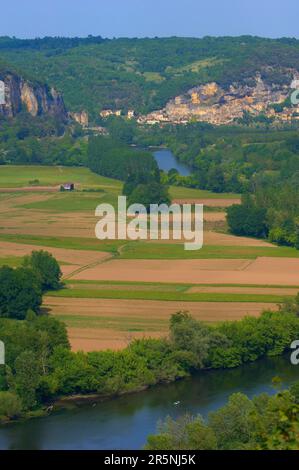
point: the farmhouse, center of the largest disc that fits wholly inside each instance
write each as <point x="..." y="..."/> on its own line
<point x="67" y="187"/>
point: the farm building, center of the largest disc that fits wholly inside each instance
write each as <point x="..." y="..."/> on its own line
<point x="67" y="187"/>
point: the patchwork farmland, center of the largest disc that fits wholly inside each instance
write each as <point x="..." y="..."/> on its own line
<point x="115" y="291"/>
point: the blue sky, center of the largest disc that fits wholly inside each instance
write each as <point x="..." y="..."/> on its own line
<point x="141" y="18"/>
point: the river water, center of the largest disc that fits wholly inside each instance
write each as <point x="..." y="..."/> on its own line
<point x="166" y="161"/>
<point x="124" y="423"/>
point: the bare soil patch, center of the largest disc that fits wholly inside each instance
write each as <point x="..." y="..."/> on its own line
<point x="151" y="312"/>
<point x="89" y="339"/>
<point x="272" y="271"/>
<point x="76" y="258"/>
<point x="225" y="239"/>
<point x="30" y="189"/>
<point x="214" y="217"/>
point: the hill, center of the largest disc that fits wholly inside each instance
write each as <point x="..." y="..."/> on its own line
<point x="144" y="74"/>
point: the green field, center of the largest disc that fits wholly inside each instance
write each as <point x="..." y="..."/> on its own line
<point x="182" y="287"/>
<point x="153" y="250"/>
<point x="179" y="192"/>
<point x="121" y="323"/>
<point x="166" y="296"/>
<point x="12" y="176"/>
<point x="18" y="176"/>
<point x="89" y="244"/>
<point x="74" y="201"/>
<point x="11" y="261"/>
<point x="147" y="250"/>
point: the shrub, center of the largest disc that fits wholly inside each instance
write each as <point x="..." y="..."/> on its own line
<point x="10" y="405"/>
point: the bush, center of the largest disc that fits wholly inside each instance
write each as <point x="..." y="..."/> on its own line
<point x="10" y="405"/>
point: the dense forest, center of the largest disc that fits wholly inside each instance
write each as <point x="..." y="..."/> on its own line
<point x="137" y="168"/>
<point x="143" y="74"/>
<point x="41" y="140"/>
<point x="230" y="158"/>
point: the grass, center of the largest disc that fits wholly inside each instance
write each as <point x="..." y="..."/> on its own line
<point x="115" y="323"/>
<point x="179" y="192"/>
<point x="175" y="286"/>
<point x="89" y="244"/>
<point x="147" y="250"/>
<point x="72" y="202"/>
<point x="196" y="66"/>
<point x="153" y="77"/>
<point x="153" y="250"/>
<point x="148" y="287"/>
<point x="11" y="261"/>
<point x="165" y="296"/>
<point x="19" y="175"/>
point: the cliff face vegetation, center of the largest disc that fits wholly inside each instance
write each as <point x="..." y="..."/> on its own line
<point x="35" y="98"/>
<point x="145" y="74"/>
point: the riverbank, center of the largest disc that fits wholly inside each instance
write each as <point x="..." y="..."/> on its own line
<point x="192" y="346"/>
<point x="125" y="422"/>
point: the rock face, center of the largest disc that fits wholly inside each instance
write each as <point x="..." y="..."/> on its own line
<point x="213" y="104"/>
<point x="81" y="118"/>
<point x="37" y="99"/>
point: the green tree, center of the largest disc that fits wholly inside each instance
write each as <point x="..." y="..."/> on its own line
<point x="147" y="194"/>
<point x="186" y="433"/>
<point x="247" y="219"/>
<point x="234" y="424"/>
<point x="20" y="291"/>
<point x="190" y="335"/>
<point x="27" y="378"/>
<point x="46" y="267"/>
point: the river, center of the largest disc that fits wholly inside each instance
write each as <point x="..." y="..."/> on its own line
<point x="166" y="161"/>
<point x="124" y="423"/>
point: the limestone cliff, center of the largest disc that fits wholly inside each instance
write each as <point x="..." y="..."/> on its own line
<point x="36" y="98"/>
<point x="81" y="118"/>
<point x="215" y="105"/>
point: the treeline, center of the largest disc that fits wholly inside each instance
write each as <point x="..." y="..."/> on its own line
<point x="53" y="371"/>
<point x="157" y="69"/>
<point x="114" y="159"/>
<point x="21" y="289"/>
<point x="230" y="158"/>
<point x="263" y="423"/>
<point x="48" y="42"/>
<point x="40" y="140"/>
<point x="271" y="212"/>
<point x="137" y="168"/>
